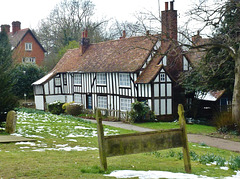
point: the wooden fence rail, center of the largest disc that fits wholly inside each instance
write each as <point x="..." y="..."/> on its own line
<point x="143" y="142"/>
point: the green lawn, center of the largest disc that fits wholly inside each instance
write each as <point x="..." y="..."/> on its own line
<point x="66" y="147"/>
<point x="191" y="128"/>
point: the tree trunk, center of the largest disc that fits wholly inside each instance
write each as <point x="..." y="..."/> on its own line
<point x="236" y="92"/>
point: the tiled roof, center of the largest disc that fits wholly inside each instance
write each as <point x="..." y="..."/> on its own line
<point x="123" y="55"/>
<point x="152" y="69"/>
<point x="17" y="37"/>
<point x="14" y="39"/>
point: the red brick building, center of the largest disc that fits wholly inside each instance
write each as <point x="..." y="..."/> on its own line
<point x="26" y="48"/>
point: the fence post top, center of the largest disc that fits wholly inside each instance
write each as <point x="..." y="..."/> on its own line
<point x="180" y="110"/>
<point x="98" y="115"/>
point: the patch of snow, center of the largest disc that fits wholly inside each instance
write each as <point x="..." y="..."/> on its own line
<point x="161" y="174"/>
<point x="76" y="148"/>
<point x="224" y="168"/>
<point x="72" y="140"/>
<point x="26" y="143"/>
<point x="153" y="175"/>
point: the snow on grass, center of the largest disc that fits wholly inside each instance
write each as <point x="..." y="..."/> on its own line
<point x="45" y="126"/>
<point x="161" y="174"/>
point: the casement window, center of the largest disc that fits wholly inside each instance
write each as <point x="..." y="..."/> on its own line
<point x="162" y="77"/>
<point x="28" y="46"/>
<point x="124" y="80"/>
<point x="125" y="104"/>
<point x="29" y="60"/>
<point x="77" y="78"/>
<point x="57" y="80"/>
<point x="101" y="79"/>
<point x="102" y="102"/>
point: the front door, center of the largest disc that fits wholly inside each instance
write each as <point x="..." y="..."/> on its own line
<point x="89" y="102"/>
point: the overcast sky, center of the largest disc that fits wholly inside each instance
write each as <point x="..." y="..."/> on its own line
<point x="30" y="12"/>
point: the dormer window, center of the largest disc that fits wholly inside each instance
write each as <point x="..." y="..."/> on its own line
<point x="28" y="46"/>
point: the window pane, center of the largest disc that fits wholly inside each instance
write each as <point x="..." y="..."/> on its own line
<point x="102" y="102"/>
<point x="162" y="77"/>
<point x="124" y="79"/>
<point x="77" y="79"/>
<point x="101" y="79"/>
<point x="125" y="104"/>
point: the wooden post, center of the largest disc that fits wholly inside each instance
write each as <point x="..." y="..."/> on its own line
<point x="102" y="152"/>
<point x="186" y="156"/>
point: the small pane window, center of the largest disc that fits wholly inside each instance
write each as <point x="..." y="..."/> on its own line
<point x="102" y="102"/>
<point x="28" y="46"/>
<point x="125" y="104"/>
<point x="57" y="81"/>
<point x="77" y="79"/>
<point x="101" y="79"/>
<point x="162" y="77"/>
<point x="124" y="79"/>
<point x="29" y="60"/>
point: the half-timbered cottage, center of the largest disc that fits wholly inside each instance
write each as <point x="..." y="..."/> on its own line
<point x="114" y="74"/>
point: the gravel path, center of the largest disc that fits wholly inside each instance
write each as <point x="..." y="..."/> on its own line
<point x="195" y="138"/>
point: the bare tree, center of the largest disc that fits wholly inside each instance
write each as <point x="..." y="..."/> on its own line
<point x="66" y="22"/>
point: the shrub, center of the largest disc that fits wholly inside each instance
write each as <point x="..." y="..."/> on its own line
<point x="56" y="107"/>
<point x="74" y="109"/>
<point x="141" y="112"/>
<point x="224" y="122"/>
<point x="64" y="106"/>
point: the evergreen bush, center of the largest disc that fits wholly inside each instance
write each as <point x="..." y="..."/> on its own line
<point x="74" y="109"/>
<point x="56" y="107"/>
<point x="141" y="112"/>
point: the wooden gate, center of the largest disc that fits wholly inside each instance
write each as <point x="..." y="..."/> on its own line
<point x="143" y="142"/>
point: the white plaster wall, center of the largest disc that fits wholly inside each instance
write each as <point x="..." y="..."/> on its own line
<point x="39" y="102"/>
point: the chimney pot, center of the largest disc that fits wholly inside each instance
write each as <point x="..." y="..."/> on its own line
<point x="166" y="6"/>
<point x="124" y="34"/>
<point x="171" y="5"/>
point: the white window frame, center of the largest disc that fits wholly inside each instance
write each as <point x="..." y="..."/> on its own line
<point x="101" y="79"/>
<point x="124" y="80"/>
<point x="162" y="77"/>
<point x="29" y="60"/>
<point x="77" y="79"/>
<point x="28" y="46"/>
<point x="102" y="102"/>
<point x="57" y="80"/>
<point x="125" y="104"/>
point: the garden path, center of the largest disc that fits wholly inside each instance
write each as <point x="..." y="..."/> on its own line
<point x="195" y="138"/>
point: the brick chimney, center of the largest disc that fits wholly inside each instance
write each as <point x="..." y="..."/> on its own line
<point x="84" y="43"/>
<point x="169" y="23"/>
<point x="123" y="35"/>
<point x="196" y="39"/>
<point x="16" y="26"/>
<point x="6" y="28"/>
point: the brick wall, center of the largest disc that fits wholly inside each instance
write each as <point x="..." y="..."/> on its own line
<point x="36" y="52"/>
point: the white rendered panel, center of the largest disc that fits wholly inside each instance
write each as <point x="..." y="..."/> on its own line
<point x="163" y="93"/>
<point x="169" y="106"/>
<point x="163" y="106"/>
<point x="169" y="89"/>
<point x="156" y="106"/>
